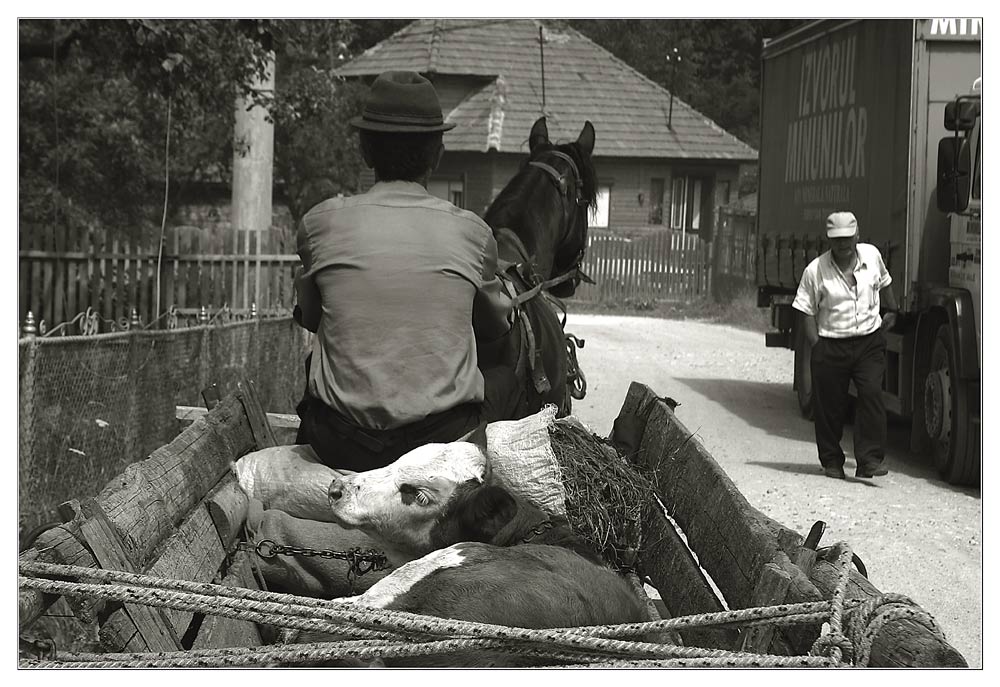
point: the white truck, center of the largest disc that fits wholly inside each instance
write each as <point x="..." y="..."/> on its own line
<point x="883" y="118"/>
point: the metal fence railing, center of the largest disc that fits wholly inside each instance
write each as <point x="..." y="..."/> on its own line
<point x="90" y="405"/>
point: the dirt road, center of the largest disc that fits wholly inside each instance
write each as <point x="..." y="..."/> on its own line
<point x="916" y="534"/>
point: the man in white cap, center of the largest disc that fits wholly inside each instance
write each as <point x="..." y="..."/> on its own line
<point x="843" y="294"/>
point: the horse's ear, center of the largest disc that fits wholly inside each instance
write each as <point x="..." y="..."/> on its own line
<point x="539" y="135"/>
<point x="586" y="138"/>
<point x="477" y="437"/>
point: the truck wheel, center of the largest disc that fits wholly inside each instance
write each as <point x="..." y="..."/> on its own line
<point x="803" y="374"/>
<point x="946" y="414"/>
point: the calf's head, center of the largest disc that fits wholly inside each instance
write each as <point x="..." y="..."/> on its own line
<point x="404" y="506"/>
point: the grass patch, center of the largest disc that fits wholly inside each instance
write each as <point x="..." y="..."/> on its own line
<point x="741" y="311"/>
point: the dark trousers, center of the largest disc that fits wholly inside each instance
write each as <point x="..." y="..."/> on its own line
<point x="835" y="363"/>
<point x="342" y="444"/>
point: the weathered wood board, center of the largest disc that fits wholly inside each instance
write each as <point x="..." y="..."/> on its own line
<point x="734" y="541"/>
<point x="159" y="517"/>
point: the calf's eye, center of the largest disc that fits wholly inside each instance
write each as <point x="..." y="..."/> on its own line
<point x="412" y="494"/>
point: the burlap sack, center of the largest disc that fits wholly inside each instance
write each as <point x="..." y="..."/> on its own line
<point x="307" y="575"/>
<point x="522" y="458"/>
<point x="287" y="478"/>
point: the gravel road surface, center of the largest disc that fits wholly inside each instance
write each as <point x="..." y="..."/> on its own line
<point x="916" y="534"/>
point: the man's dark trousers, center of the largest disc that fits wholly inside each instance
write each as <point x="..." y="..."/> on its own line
<point x="835" y="362"/>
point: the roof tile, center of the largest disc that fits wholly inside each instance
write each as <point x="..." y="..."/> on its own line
<point x="583" y="81"/>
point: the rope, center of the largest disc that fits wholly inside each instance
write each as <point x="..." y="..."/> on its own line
<point x="867" y="620"/>
<point x="833" y="643"/>
<point x="368" y="633"/>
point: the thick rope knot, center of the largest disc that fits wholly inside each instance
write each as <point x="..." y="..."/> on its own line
<point x="828" y="644"/>
<point x="865" y="621"/>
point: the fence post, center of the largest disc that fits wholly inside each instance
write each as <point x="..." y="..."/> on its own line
<point x="205" y="359"/>
<point x="26" y="399"/>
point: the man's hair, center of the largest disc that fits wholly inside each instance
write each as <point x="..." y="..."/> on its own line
<point x="401" y="156"/>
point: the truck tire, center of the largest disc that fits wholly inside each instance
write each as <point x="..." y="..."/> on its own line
<point x="946" y="414"/>
<point x="803" y="373"/>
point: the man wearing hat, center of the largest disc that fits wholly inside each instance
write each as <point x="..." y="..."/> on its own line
<point x="400" y="288"/>
<point x="843" y="294"/>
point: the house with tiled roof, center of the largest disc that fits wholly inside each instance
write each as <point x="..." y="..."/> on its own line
<point x="659" y="161"/>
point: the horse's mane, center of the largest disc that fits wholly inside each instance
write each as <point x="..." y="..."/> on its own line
<point x="509" y="204"/>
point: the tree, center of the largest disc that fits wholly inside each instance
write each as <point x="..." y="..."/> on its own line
<point x="97" y="99"/>
<point x="719" y="73"/>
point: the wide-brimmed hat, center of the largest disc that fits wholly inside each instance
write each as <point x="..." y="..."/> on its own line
<point x="402" y="102"/>
<point x="841" y="225"/>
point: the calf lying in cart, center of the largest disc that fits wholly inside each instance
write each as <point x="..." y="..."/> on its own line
<point x="471" y="550"/>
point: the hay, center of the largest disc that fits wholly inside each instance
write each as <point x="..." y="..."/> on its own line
<point x="605" y="494"/>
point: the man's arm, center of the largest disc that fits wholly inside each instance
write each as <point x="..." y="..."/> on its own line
<point x="310" y="306"/>
<point x="887" y="299"/>
<point x="810" y="329"/>
<point x="492" y="308"/>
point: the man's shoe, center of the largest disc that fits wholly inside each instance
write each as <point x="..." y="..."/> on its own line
<point x="835" y="473"/>
<point x="871" y="472"/>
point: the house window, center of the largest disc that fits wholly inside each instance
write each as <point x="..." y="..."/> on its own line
<point x="599" y="217"/>
<point x="724" y="187"/>
<point x="452" y="190"/>
<point x="656" y="201"/>
<point x="686" y="200"/>
<point x="678" y="203"/>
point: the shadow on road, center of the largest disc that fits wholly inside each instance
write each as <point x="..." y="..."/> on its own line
<point x="769" y="406"/>
<point x="772" y="407"/>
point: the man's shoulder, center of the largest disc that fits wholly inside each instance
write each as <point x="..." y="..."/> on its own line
<point x="814" y="264"/>
<point x="868" y="249"/>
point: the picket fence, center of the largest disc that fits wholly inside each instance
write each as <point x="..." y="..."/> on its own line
<point x="62" y="273"/>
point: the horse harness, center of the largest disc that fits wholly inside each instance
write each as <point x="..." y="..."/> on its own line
<point x="562" y="182"/>
<point x="529" y="285"/>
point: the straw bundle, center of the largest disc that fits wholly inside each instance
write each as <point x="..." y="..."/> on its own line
<point x="605" y="494"/>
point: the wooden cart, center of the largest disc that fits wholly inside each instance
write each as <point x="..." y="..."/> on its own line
<point x="179" y="514"/>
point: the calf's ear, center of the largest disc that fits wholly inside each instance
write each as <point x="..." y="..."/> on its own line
<point x="477" y="437"/>
<point x="475" y="512"/>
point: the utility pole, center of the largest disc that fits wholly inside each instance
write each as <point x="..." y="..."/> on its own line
<point x="253" y="174"/>
<point x="673" y="58"/>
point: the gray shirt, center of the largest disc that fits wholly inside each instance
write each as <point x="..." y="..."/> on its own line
<point x="398" y="285"/>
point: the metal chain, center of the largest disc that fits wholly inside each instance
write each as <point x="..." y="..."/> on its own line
<point x="359" y="561"/>
<point x="537" y="530"/>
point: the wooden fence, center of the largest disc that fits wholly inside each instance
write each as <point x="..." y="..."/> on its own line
<point x="660" y="264"/>
<point x="734" y="261"/>
<point x="63" y="273"/>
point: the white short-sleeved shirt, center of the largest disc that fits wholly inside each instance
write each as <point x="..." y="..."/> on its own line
<point x="842" y="310"/>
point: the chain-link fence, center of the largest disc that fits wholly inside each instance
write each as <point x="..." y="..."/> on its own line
<point x="90" y="405"/>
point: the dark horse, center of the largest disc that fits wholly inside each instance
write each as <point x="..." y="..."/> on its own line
<point x="540" y="223"/>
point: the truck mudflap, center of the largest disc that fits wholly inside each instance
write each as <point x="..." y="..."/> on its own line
<point x="957" y="303"/>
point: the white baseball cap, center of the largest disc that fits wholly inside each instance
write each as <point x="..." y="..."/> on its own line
<point x="841" y="225"/>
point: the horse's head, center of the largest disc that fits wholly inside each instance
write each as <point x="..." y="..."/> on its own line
<point x="548" y="202"/>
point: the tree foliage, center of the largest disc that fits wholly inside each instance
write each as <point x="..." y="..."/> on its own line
<point x="97" y="99"/>
<point x="719" y="70"/>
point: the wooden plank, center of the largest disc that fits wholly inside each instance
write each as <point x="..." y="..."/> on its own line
<point x="151" y="497"/>
<point x="255" y="413"/>
<point x="45" y="301"/>
<point x="194" y="553"/>
<point x="666" y="559"/>
<point x="901" y="642"/>
<point x="653" y="611"/>
<point x="748" y="535"/>
<point x="103" y="541"/>
<point x="227" y="507"/>
<point x="285" y="426"/>
<point x="72" y="276"/>
<point x="183" y="272"/>
<point x="107" y="283"/>
<point x="216" y="631"/>
<point x="771" y="589"/>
